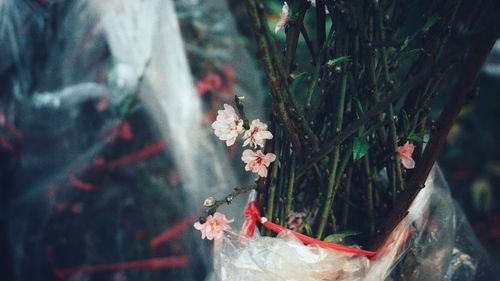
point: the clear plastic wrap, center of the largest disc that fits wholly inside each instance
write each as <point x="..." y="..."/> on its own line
<point x="434" y="242"/>
<point x="492" y="64"/>
<point x="105" y="135"/>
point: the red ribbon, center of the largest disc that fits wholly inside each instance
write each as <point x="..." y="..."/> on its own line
<point x="4" y="121"/>
<point x="85" y="186"/>
<point x="154" y="263"/>
<point x="171" y="232"/>
<point x="253" y="216"/>
<point x="146" y="152"/>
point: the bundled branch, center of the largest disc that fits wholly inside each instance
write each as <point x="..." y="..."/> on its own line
<point x="350" y="131"/>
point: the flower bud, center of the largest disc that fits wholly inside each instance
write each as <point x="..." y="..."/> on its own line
<point x="209" y="202"/>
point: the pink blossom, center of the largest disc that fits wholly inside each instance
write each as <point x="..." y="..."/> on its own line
<point x="214" y="226"/>
<point x="257" y="162"/>
<point x="295" y="220"/>
<point x="257" y="134"/>
<point x="405" y="151"/>
<point x="283" y="18"/>
<point x="228" y="125"/>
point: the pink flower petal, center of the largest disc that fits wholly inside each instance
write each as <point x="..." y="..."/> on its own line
<point x="283" y="18"/>
<point x="405" y="153"/>
<point x="408" y="162"/>
<point x="227" y="125"/>
<point x="257" y="135"/>
<point x="257" y="162"/>
<point x="214" y="226"/>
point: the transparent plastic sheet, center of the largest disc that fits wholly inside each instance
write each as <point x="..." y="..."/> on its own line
<point x="114" y="152"/>
<point x="492" y="65"/>
<point x="434" y="242"/>
<point x="16" y="40"/>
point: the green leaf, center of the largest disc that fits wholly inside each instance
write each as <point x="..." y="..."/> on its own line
<point x="308" y="230"/>
<point x="125" y="105"/>
<point x="430" y="22"/>
<point x="410" y="53"/>
<point x="405" y="43"/>
<point x="482" y="195"/>
<point x="362" y="132"/>
<point x="359" y="107"/>
<point x="360" y="148"/>
<point x="339" y="60"/>
<point x="340" y="235"/>
<point x="415" y="138"/>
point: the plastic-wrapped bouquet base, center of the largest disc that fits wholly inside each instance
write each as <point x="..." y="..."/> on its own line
<point x="283" y="258"/>
<point x="434" y="242"/>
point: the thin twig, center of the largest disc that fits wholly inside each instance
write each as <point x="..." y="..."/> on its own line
<point x="272" y="75"/>
<point x="291" y="187"/>
<point x="241" y="111"/>
<point x="228" y="199"/>
<point x="333" y="181"/>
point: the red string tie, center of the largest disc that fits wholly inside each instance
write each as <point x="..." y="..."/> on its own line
<point x="252" y="215"/>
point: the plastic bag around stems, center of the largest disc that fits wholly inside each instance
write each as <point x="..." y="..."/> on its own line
<point x="433" y="242"/>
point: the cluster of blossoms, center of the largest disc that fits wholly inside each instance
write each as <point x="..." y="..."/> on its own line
<point x="228" y="126"/>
